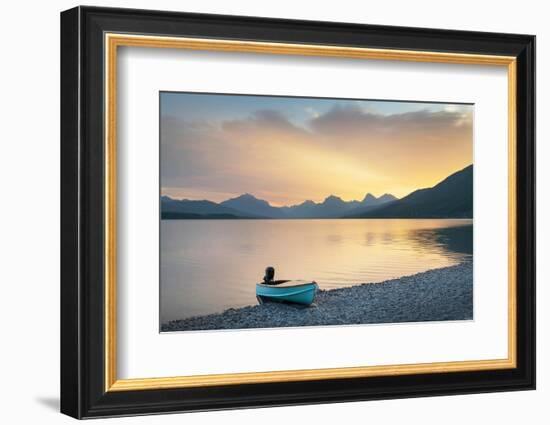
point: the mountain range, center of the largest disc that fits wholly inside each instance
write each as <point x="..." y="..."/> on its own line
<point x="451" y="198"/>
<point x="248" y="206"/>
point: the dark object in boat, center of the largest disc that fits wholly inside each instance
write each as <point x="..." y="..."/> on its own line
<point x="269" y="275"/>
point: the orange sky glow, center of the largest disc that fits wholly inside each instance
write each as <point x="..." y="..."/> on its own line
<point x="288" y="150"/>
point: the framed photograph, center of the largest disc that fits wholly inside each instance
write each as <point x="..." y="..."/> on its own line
<point x="261" y="212"/>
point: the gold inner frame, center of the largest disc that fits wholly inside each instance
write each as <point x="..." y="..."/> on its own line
<point x="113" y="41"/>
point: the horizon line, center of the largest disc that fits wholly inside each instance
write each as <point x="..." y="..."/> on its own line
<point x="283" y="206"/>
<point x="319" y="202"/>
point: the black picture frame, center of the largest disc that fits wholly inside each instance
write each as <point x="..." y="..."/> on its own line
<point x="83" y="392"/>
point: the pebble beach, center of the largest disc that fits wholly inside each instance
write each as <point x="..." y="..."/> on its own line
<point x="435" y="295"/>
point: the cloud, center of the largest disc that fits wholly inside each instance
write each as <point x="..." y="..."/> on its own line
<point x="392" y="144"/>
<point x="354" y="121"/>
<point x="313" y="113"/>
<point x="265" y="121"/>
<point x="348" y="151"/>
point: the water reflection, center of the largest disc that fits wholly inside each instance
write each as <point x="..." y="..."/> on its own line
<point x="456" y="239"/>
<point x="208" y="266"/>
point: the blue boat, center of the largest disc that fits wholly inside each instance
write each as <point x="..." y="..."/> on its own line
<point x="290" y="291"/>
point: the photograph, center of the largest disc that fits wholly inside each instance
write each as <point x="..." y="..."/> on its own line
<point x="285" y="211"/>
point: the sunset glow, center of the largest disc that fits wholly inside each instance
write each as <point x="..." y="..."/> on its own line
<point x="287" y="150"/>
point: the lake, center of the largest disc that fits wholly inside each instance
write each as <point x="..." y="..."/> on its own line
<point x="208" y="266"/>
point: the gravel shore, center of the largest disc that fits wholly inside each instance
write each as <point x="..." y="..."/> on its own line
<point x="434" y="295"/>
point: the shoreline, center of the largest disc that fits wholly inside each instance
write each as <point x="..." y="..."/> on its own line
<point x="442" y="294"/>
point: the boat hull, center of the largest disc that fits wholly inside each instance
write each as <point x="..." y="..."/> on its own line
<point x="303" y="294"/>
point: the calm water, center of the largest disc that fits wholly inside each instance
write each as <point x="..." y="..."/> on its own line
<point x="208" y="266"/>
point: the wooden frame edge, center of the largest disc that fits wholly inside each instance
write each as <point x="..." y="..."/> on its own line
<point x="114" y="40"/>
<point x="306" y="375"/>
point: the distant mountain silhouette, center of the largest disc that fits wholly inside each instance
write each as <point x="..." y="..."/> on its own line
<point x="369" y="199"/>
<point x="368" y="203"/>
<point x="451" y="198"/>
<point x="192" y="216"/>
<point x="386" y="197"/>
<point x="185" y="208"/>
<point x="305" y="209"/>
<point x="333" y="206"/>
<point x="249" y="204"/>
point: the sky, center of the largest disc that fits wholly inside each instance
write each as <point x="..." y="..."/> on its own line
<point x="286" y="150"/>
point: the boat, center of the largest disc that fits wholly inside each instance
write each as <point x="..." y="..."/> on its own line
<point x="290" y="291"/>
